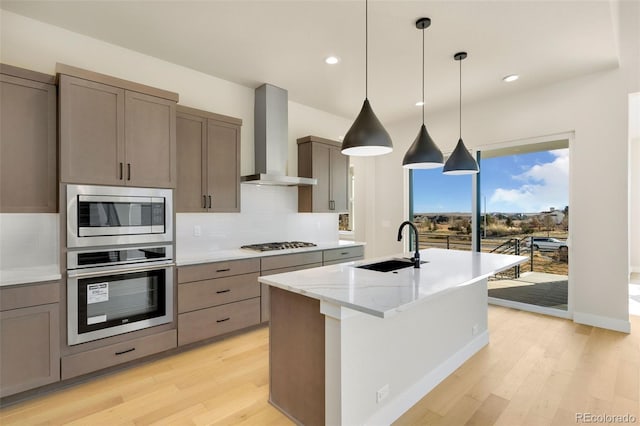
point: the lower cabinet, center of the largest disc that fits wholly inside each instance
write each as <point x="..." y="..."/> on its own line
<point x="272" y="265"/>
<point x="215" y="321"/>
<point x="108" y="356"/>
<point x="341" y="255"/>
<point x="29" y="337"/>
<point x="217" y="298"/>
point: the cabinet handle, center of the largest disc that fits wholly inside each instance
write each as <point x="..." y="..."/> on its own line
<point x="344" y="253"/>
<point x="223" y="291"/>
<point x="126" y="352"/>
<point x="209" y="201"/>
<point x="204" y="201"/>
<point x="121" y="165"/>
<point x="128" y="171"/>
<point x="223" y="320"/>
<point x="223" y="270"/>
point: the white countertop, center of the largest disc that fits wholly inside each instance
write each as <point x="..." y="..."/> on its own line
<point x="236" y="254"/>
<point x="383" y="294"/>
<point x="29" y="275"/>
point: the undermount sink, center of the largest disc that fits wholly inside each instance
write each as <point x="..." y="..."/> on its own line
<point x="389" y="265"/>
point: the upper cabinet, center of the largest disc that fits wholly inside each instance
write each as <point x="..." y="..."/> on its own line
<point x="114" y="132"/>
<point x="321" y="159"/>
<point x="208" y="153"/>
<point x="27" y="141"/>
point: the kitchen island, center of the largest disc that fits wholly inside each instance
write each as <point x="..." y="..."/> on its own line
<point x="351" y="346"/>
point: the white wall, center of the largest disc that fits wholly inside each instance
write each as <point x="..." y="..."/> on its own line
<point x="595" y="107"/>
<point x="634" y="182"/>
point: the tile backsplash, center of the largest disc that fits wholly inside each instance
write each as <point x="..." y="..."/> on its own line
<point x="28" y="240"/>
<point x="269" y="213"/>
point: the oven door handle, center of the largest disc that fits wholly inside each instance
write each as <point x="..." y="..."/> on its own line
<point x="81" y="274"/>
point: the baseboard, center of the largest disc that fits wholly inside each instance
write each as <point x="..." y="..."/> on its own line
<point x="602" y="322"/>
<point x="407" y="399"/>
<point x="634" y="269"/>
<point x="530" y="308"/>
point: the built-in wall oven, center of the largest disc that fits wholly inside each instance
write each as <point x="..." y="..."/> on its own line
<point x="120" y="260"/>
<point x="116" y="290"/>
<point x="111" y="215"/>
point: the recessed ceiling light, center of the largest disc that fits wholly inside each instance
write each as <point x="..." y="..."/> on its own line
<point x="510" y="78"/>
<point x="419" y="103"/>
<point x="332" y="60"/>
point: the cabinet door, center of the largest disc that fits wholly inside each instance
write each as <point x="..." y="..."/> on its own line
<point x="191" y="136"/>
<point x="91" y="132"/>
<point x="150" y="141"/>
<point x="320" y="166"/>
<point x="27" y="146"/>
<point x="223" y="166"/>
<point x="29" y="348"/>
<point x="339" y="164"/>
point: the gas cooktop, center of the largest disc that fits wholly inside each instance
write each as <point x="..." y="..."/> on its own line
<point x="278" y="246"/>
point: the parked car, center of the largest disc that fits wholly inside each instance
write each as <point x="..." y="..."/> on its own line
<point x="545" y="243"/>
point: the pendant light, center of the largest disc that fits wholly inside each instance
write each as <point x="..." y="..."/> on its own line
<point x="460" y="162"/>
<point x="366" y="137"/>
<point x="423" y="153"/>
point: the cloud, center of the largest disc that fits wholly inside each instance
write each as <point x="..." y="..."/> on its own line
<point x="543" y="185"/>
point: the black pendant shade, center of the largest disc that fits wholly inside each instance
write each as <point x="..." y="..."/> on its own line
<point x="460" y="162"/>
<point x="423" y="153"/>
<point x="366" y="136"/>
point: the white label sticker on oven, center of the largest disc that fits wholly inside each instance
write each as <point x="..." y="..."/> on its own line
<point x="97" y="293"/>
<point x="96" y="319"/>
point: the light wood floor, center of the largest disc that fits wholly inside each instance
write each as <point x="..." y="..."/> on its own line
<point x="537" y="370"/>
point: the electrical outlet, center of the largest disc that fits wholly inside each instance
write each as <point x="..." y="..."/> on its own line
<point x="197" y="230"/>
<point x="382" y="393"/>
<point x="474" y="329"/>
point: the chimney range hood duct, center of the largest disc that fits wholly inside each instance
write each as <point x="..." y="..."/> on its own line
<point x="271" y="140"/>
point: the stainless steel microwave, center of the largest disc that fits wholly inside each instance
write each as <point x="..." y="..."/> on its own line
<point x="111" y="215"/>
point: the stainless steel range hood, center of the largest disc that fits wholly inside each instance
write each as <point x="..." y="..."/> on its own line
<point x="271" y="114"/>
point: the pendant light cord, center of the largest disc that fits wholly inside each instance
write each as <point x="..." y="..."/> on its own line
<point x="366" y="49"/>
<point x="423" y="76"/>
<point x="460" y="103"/>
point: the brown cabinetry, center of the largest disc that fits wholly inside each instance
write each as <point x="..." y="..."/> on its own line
<point x="321" y="159"/>
<point x="272" y="265"/>
<point x="27" y="141"/>
<point x="112" y="133"/>
<point x="29" y="337"/>
<point x="217" y="298"/>
<point x="118" y="353"/>
<point x="208" y="155"/>
<point x="341" y="255"/>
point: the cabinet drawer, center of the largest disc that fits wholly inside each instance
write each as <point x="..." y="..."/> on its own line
<point x="15" y="297"/>
<point x="210" y="322"/>
<point x="97" y="359"/>
<point x="342" y="253"/>
<point x="289" y="260"/>
<point x="217" y="270"/>
<point x="219" y="291"/>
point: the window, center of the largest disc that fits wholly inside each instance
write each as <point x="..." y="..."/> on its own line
<point x="345" y="221"/>
<point x="441" y="208"/>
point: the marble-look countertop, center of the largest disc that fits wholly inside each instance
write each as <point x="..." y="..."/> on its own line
<point x="383" y="294"/>
<point x="29" y="275"/>
<point x="236" y="254"/>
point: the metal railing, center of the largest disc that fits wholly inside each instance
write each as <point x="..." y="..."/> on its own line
<point x="522" y="246"/>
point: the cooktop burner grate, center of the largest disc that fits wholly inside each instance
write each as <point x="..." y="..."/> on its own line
<point x="283" y="245"/>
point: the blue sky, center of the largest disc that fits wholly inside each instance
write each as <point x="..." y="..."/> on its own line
<point x="523" y="183"/>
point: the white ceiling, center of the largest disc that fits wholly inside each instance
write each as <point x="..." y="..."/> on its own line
<point x="285" y="42"/>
